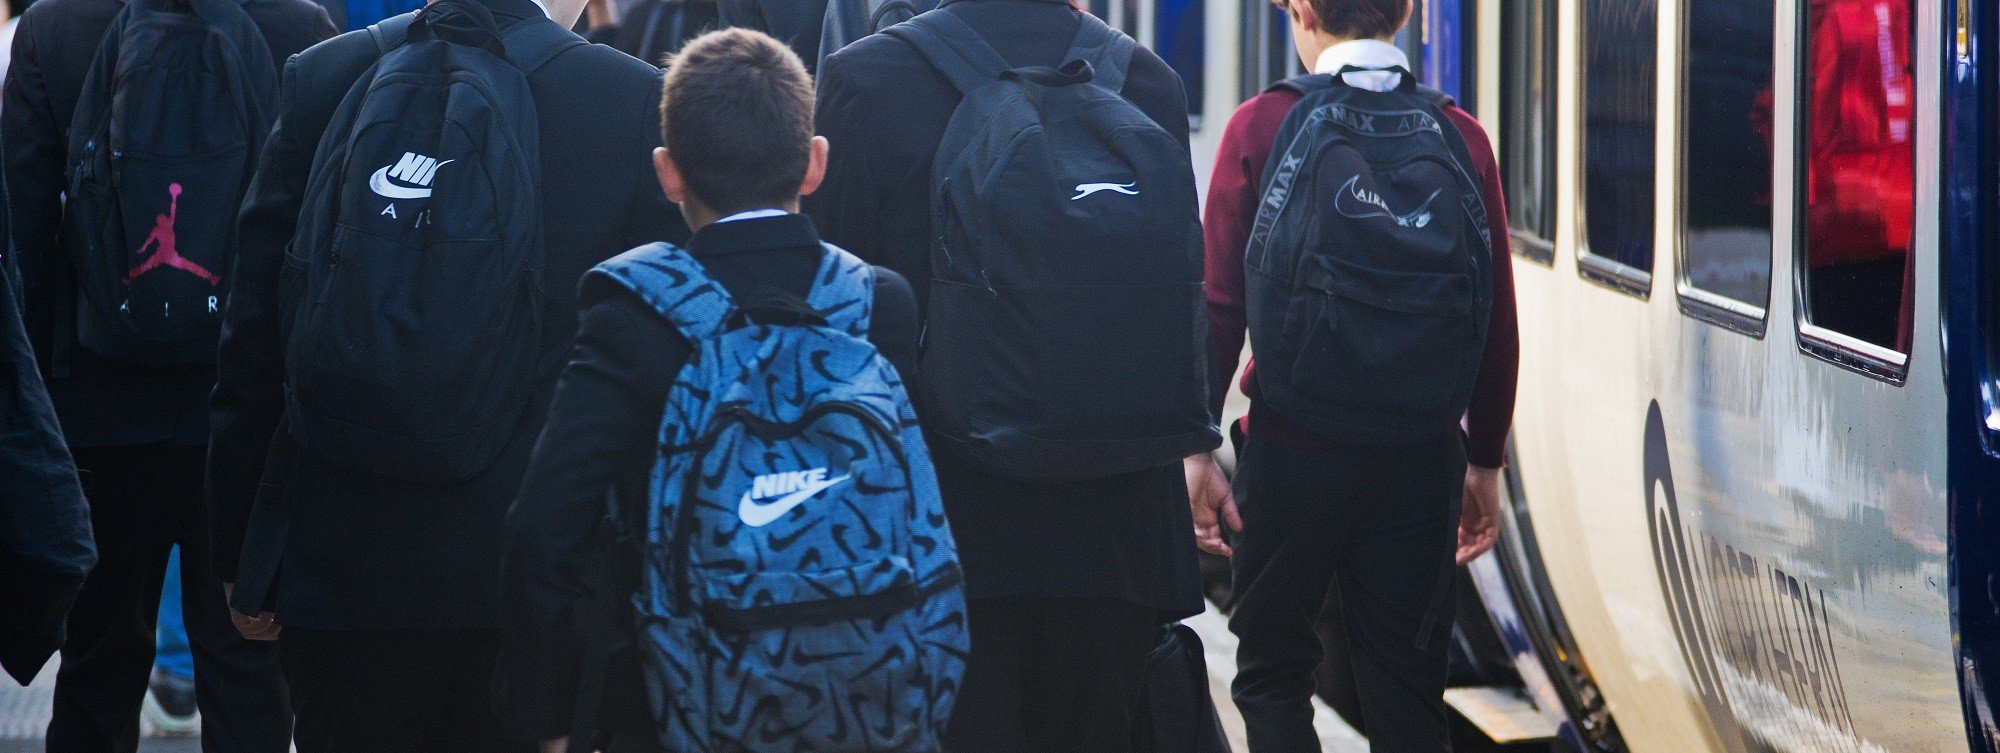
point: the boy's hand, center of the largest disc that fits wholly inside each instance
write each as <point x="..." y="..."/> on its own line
<point x="1211" y="502"/>
<point x="263" y="627"/>
<point x="1479" y="522"/>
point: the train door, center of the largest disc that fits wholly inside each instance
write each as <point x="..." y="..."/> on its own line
<point x="1972" y="255"/>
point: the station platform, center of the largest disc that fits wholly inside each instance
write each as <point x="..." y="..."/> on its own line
<point x="24" y="711"/>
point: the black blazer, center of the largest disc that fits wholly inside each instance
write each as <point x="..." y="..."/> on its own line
<point x="45" y="541"/>
<point x="884" y="108"/>
<point x="794" y="22"/>
<point x="53" y="49"/>
<point x="362" y="552"/>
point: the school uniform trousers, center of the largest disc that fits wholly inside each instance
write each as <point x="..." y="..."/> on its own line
<point x="389" y="590"/>
<point x="1068" y="582"/>
<point x="1373" y="527"/>
<point x="137" y="435"/>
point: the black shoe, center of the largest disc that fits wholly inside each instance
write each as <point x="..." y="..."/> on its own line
<point x="170" y="704"/>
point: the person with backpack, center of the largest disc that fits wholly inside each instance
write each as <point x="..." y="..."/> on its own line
<point x="1355" y="226"/>
<point x="1026" y="168"/>
<point x="130" y="128"/>
<point x="404" y="293"/>
<point x="742" y="396"/>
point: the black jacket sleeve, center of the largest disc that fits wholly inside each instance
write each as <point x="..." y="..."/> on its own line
<point x="602" y="420"/>
<point x="248" y="401"/>
<point x="45" y="538"/>
<point x="35" y="145"/>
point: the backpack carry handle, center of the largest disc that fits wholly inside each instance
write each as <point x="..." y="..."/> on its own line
<point x="459" y="22"/>
<point x="1405" y="80"/>
<point x="1107" y="50"/>
<point x="1068" y="74"/>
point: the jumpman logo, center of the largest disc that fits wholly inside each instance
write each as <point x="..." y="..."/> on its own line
<point x="162" y="241"/>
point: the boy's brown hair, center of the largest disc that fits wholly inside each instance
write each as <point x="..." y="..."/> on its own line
<point x="736" y="114"/>
<point x="1361" y="19"/>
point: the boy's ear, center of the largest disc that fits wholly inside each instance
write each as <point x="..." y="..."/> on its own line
<point x="1307" y="17"/>
<point x="815" y="166"/>
<point x="670" y="175"/>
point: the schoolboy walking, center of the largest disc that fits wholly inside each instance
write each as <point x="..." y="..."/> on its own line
<point x="130" y="130"/>
<point x="1380" y="314"/>
<point x="404" y="294"/>
<point x="653" y="387"/>
<point x="1026" y="168"/>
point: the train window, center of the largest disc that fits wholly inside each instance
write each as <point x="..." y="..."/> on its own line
<point x="1859" y="187"/>
<point x="1179" y="31"/>
<point x="1726" y="158"/>
<point x="1620" y="85"/>
<point x="1528" y="124"/>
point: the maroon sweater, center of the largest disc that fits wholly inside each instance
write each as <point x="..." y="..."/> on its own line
<point x="1232" y="206"/>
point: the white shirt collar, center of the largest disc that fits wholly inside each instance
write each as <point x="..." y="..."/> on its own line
<point x="1364" y="53"/>
<point x="754" y="214"/>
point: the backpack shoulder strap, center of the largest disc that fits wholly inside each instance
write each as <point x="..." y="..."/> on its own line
<point x="675" y="285"/>
<point x="1109" y="52"/>
<point x="389" y="32"/>
<point x="1461" y="155"/>
<point x="954" y="48"/>
<point x="1436" y="97"/>
<point x="533" y="43"/>
<point x="893" y="12"/>
<point x="844" y="291"/>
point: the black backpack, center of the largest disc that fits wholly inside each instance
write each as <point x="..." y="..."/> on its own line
<point x="1064" y="333"/>
<point x="1368" y="270"/>
<point x="168" y="124"/>
<point x="419" y="345"/>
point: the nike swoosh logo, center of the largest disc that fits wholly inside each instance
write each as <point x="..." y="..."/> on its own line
<point x="756" y="514"/>
<point x="1086" y="189"/>
<point x="380" y="184"/>
<point x="1350" y="193"/>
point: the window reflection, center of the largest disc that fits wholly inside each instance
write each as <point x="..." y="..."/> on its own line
<point x="1860" y="184"/>
<point x="1727" y="149"/>
<point x="1528" y="115"/>
<point x="1620" y="84"/>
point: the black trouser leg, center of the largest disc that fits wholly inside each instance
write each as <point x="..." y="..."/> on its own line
<point x="1055" y="676"/>
<point x="1378" y="524"/>
<point x="237" y="683"/>
<point x="1281" y="569"/>
<point x="143" y="500"/>
<point x="1395" y="577"/>
<point x="108" y="656"/>
<point x="407" y="691"/>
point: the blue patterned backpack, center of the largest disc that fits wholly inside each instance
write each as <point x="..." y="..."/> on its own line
<point x="801" y="588"/>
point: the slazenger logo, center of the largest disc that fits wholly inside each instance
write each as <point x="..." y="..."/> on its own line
<point x="1086" y="189"/>
<point x="409" y="178"/>
<point x="1372" y="205"/>
<point x="774" y="494"/>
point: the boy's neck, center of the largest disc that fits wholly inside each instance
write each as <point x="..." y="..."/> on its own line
<point x="1323" y="41"/>
<point x="699" y="216"/>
